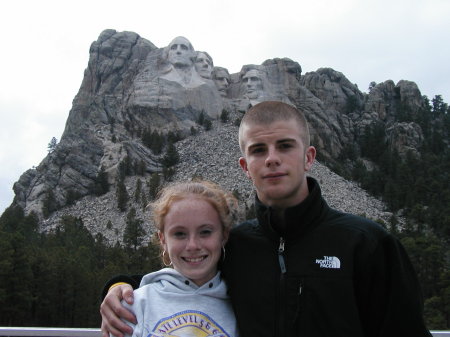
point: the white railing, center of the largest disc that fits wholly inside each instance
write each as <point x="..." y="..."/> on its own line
<point x="69" y="332"/>
<point x="49" y="332"/>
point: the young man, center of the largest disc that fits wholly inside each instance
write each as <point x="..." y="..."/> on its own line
<point x="302" y="268"/>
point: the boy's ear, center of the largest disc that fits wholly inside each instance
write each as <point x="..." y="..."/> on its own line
<point x="310" y="156"/>
<point x="243" y="165"/>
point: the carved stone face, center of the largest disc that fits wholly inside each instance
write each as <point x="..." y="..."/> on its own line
<point x="203" y="65"/>
<point x="222" y="81"/>
<point x="180" y="52"/>
<point x="253" y="81"/>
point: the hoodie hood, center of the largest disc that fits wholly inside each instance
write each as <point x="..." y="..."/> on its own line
<point x="171" y="281"/>
<point x="169" y="304"/>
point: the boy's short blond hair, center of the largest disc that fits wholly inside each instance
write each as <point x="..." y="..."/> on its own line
<point x="268" y="112"/>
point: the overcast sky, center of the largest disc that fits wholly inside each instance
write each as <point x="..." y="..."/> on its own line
<point x="45" y="49"/>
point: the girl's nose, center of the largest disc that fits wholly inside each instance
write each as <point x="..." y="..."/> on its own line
<point x="193" y="243"/>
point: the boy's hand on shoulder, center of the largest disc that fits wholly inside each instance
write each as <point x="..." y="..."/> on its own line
<point x="112" y="311"/>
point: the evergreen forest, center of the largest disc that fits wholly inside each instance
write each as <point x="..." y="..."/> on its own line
<point x="55" y="278"/>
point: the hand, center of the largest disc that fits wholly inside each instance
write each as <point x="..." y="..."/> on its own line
<point x="112" y="311"/>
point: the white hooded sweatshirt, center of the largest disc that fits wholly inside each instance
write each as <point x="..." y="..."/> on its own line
<point x="168" y="304"/>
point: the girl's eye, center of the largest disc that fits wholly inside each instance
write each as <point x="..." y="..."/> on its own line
<point x="179" y="235"/>
<point x="205" y="232"/>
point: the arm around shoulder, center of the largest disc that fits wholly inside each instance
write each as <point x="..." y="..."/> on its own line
<point x="132" y="280"/>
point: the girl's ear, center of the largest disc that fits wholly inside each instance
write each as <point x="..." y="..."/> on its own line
<point x="226" y="234"/>
<point x="162" y="239"/>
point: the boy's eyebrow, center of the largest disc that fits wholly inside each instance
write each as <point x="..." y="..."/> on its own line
<point x="251" y="146"/>
<point x="287" y="140"/>
<point x="256" y="144"/>
<point x="280" y="141"/>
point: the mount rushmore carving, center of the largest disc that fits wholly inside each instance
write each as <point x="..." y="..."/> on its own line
<point x="178" y="76"/>
<point x="130" y="86"/>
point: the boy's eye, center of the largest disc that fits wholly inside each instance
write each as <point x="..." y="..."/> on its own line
<point x="257" y="150"/>
<point x="285" y="145"/>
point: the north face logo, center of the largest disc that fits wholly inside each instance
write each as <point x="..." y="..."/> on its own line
<point x="329" y="262"/>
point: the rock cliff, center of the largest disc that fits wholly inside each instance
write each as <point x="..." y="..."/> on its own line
<point x="131" y="87"/>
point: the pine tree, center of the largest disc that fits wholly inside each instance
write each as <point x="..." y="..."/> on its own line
<point x="52" y="145"/>
<point x="154" y="185"/>
<point x="173" y="137"/>
<point x="101" y="185"/>
<point x="207" y="124"/>
<point x="171" y="157"/>
<point x="351" y="104"/>
<point x="224" y="116"/>
<point x="49" y="204"/>
<point x="201" y="118"/>
<point x="439" y="106"/>
<point x="122" y="195"/>
<point x="168" y="173"/>
<point x="157" y="142"/>
<point x="140" y="167"/>
<point x="126" y="167"/>
<point x="138" y="190"/>
<point x="134" y="232"/>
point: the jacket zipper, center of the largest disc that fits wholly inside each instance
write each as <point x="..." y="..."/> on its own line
<point x="282" y="288"/>
<point x="281" y="256"/>
<point x="299" y="307"/>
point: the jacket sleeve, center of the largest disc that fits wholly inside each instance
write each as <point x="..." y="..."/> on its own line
<point x="133" y="280"/>
<point x="391" y="300"/>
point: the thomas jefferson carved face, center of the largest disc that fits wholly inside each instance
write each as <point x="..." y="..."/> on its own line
<point x="222" y="81"/>
<point x="253" y="82"/>
<point x="204" y="65"/>
<point x="180" y="52"/>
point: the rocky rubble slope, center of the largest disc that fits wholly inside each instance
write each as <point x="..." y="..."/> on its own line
<point x="211" y="155"/>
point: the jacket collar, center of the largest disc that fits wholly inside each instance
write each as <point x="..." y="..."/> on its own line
<point x="298" y="219"/>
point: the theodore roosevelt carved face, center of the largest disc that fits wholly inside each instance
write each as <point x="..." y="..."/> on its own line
<point x="222" y="80"/>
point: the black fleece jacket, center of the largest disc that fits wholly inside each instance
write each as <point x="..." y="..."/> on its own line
<point x="326" y="273"/>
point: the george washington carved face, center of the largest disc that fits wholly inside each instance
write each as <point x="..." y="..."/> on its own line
<point x="180" y="52"/>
